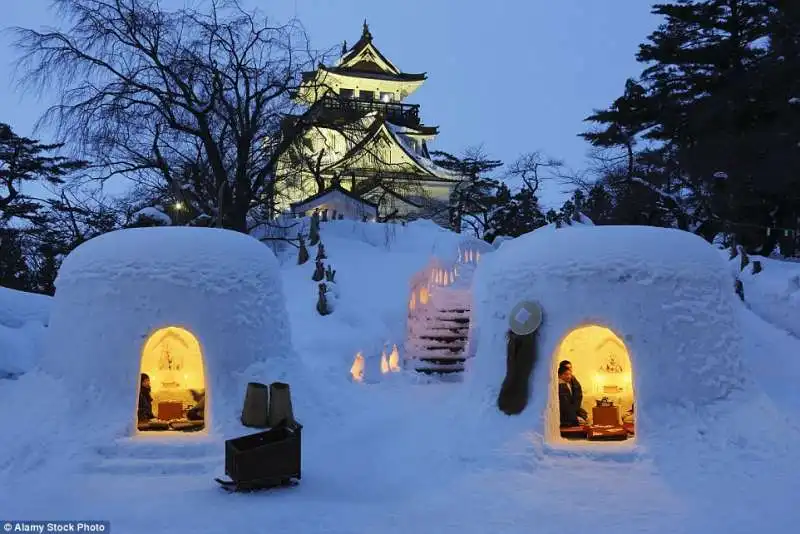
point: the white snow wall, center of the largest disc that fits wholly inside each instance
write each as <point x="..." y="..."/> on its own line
<point x="664" y="292"/>
<point x="115" y="290"/>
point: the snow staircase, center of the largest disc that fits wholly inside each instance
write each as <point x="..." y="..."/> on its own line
<point x="437" y="337"/>
<point x="178" y="456"/>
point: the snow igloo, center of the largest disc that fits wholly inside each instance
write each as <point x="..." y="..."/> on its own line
<point x="192" y="308"/>
<point x="644" y="315"/>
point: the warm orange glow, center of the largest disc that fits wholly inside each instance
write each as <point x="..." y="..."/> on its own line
<point x="384" y="363"/>
<point x="394" y="360"/>
<point x="357" y="370"/>
<point x="602" y="363"/>
<point x="413" y="304"/>
<point x="424" y="295"/>
<point x="173" y="360"/>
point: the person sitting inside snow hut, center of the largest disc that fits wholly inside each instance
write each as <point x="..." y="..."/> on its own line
<point x="197" y="413"/>
<point x="568" y="404"/>
<point x="577" y="390"/>
<point x="145" y="400"/>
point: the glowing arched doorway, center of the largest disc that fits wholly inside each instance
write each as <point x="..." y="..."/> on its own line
<point x="601" y="369"/>
<point x="173" y="362"/>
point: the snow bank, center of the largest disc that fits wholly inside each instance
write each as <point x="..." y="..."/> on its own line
<point x="774" y="293"/>
<point x="417" y="237"/>
<point x="18" y="308"/>
<point x="115" y="290"/>
<point x="23" y="322"/>
<point x="20" y="348"/>
<point x="664" y="292"/>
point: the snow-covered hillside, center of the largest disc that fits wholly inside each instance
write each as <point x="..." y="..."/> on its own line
<point x="407" y="454"/>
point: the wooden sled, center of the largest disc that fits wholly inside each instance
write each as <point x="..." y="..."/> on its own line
<point x="255" y="485"/>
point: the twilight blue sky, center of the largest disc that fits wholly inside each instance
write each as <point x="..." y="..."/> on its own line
<point x="512" y="75"/>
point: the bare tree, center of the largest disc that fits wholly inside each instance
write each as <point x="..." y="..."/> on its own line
<point x="151" y="95"/>
<point x="534" y="167"/>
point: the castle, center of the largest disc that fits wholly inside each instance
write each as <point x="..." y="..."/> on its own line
<point x="366" y="154"/>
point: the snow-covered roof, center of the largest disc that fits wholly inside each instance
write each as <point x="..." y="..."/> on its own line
<point x="114" y="291"/>
<point x="665" y="293"/>
<point x="400" y="133"/>
<point x="337" y="195"/>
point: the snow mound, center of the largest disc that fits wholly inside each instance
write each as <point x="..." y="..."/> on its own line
<point x="20" y="348"/>
<point x="773" y="293"/>
<point x="115" y="291"/>
<point x="23" y="322"/>
<point x="152" y="214"/>
<point x="663" y="292"/>
<point x="18" y="308"/>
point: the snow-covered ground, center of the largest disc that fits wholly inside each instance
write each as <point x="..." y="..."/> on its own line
<point x="774" y="293"/>
<point x="405" y="455"/>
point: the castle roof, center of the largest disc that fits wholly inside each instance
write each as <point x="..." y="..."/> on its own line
<point x="364" y="60"/>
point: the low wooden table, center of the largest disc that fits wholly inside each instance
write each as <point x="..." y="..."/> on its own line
<point x="169" y="411"/>
<point x="605" y="415"/>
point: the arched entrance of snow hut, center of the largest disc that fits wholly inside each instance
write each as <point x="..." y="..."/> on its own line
<point x="172" y="361"/>
<point x="600" y="365"/>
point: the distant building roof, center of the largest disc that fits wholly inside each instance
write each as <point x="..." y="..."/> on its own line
<point x="330" y="193"/>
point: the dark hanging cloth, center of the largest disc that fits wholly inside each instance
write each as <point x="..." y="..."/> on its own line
<point x="520" y="359"/>
<point x="145" y="404"/>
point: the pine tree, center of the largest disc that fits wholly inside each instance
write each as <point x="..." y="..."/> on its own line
<point x="14" y="270"/>
<point x="516" y="216"/>
<point x="23" y="161"/>
<point x="46" y="272"/>
<point x="713" y="104"/>
<point x="475" y="199"/>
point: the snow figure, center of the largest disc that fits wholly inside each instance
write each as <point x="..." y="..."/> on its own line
<point x="632" y="321"/>
<point x="194" y="309"/>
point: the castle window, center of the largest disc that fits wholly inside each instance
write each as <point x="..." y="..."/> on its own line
<point x="366" y="95"/>
<point x="387" y="97"/>
<point x="346" y="93"/>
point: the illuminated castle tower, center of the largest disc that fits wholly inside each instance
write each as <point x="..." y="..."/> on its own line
<point x="367" y="154"/>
